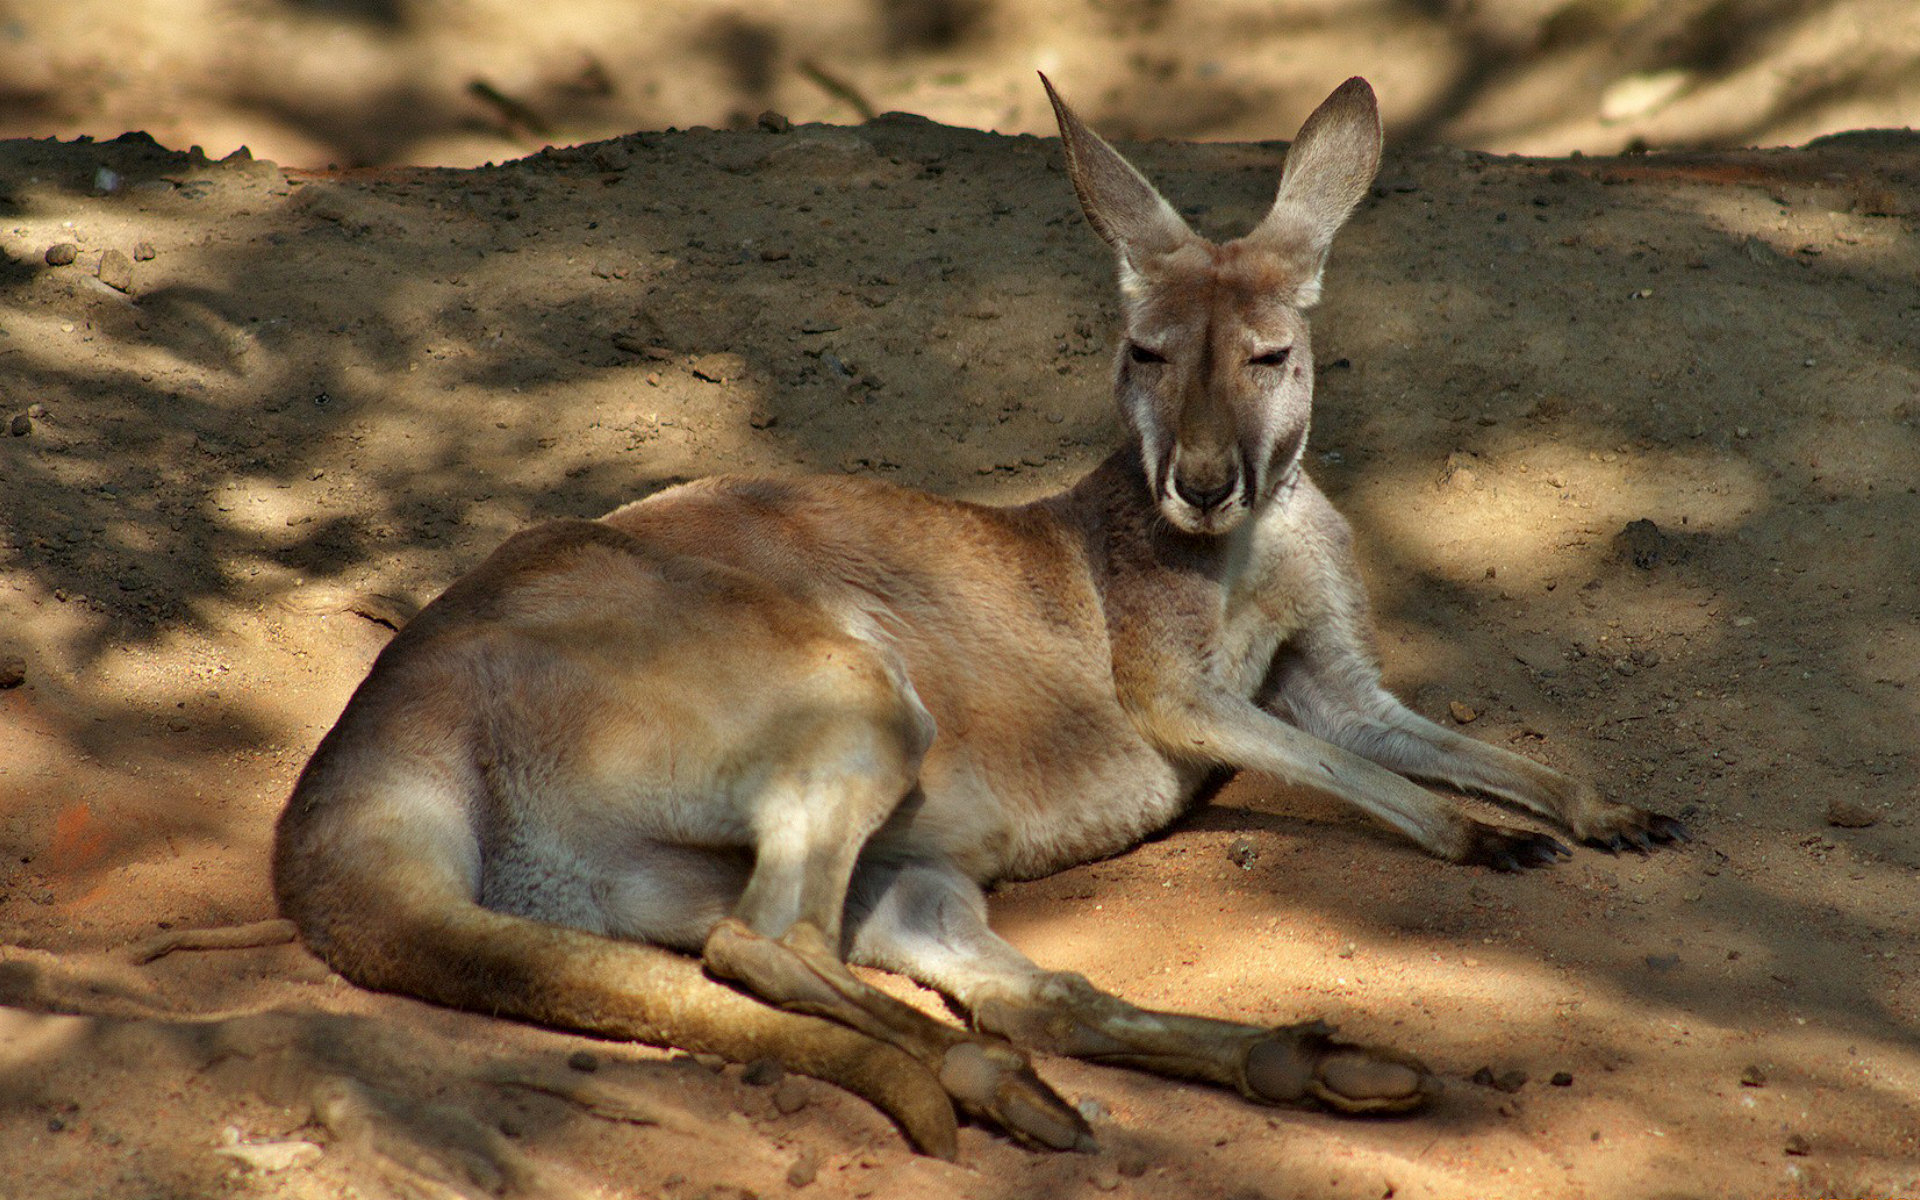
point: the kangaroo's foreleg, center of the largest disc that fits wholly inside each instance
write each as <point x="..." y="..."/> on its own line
<point x="927" y="921"/>
<point x="1328" y="686"/>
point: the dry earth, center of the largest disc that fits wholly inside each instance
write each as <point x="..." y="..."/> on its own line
<point x="459" y="82"/>
<point x="318" y="397"/>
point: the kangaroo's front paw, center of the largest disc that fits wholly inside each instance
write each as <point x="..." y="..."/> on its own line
<point x="995" y="1080"/>
<point x="1299" y="1064"/>
<point x="1512" y="849"/>
<point x="1623" y="827"/>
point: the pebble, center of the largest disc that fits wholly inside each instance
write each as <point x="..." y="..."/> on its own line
<point x="61" y="253"/>
<point x="1798" y="1145"/>
<point x="1511" y="1080"/>
<point x="116" y="270"/>
<point x="1562" y="1079"/>
<point x="1243" y="853"/>
<point x="803" y="1170"/>
<point x="584" y="1061"/>
<point x="36" y="411"/>
<point x="1646" y="545"/>
<point x="13" y="671"/>
<point x="789" y="1097"/>
<point x="143" y="252"/>
<point x="611" y="158"/>
<point x="774" y="122"/>
<point x="1463" y="713"/>
<point x="1850" y="814"/>
<point x="724" y="367"/>
<point x="1753" y="1076"/>
<point x="21" y="425"/>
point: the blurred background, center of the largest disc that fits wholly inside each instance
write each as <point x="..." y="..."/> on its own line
<point x="459" y="82"/>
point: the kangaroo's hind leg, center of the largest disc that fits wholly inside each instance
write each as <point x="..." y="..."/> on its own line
<point x="928" y="921"/>
<point x="851" y="754"/>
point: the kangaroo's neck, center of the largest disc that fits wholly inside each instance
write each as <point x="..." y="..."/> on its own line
<point x="1126" y="537"/>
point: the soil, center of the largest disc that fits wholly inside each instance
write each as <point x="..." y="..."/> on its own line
<point x="1629" y="445"/>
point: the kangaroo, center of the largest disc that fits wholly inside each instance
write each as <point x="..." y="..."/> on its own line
<point x="788" y="724"/>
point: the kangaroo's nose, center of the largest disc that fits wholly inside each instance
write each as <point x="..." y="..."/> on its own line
<point x="1202" y="497"/>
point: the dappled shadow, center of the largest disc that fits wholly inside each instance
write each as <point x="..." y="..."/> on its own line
<point x="457" y="354"/>
<point x="356" y="82"/>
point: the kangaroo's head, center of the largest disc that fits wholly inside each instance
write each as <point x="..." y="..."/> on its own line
<point x="1214" y="372"/>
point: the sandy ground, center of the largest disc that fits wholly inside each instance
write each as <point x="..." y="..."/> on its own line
<point x="319" y="396"/>
<point x="460" y="82"/>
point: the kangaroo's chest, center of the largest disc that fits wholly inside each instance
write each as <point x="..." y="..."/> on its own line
<point x="1272" y="592"/>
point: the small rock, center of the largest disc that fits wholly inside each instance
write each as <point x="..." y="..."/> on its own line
<point x="633" y="343"/>
<point x="270" y="1157"/>
<point x="1753" y="1076"/>
<point x="1465" y="714"/>
<point x="584" y="1061"/>
<point x="789" y="1097"/>
<point x="1562" y="1079"/>
<point x="712" y="1062"/>
<point x="61" y="253"/>
<point x="21" y="425"/>
<point x="1850" y="814"/>
<point x="1798" y="1145"/>
<point x="611" y="158"/>
<point x="774" y="122"/>
<point x="724" y="367"/>
<point x="763" y="1072"/>
<point x="1458" y="473"/>
<point x="13" y="671"/>
<point x="115" y="270"/>
<point x="1243" y="853"/>
<point x="36" y="411"/>
<point x="1510" y="1080"/>
<point x="1643" y="544"/>
<point x="143" y="252"/>
<point x="1104" y="1178"/>
<point x="1132" y="1161"/>
<point x="803" y="1170"/>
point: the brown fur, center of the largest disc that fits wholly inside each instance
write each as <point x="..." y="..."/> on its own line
<point x="783" y="723"/>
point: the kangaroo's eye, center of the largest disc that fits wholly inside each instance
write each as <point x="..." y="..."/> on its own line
<point x="1271" y="358"/>
<point x="1141" y="354"/>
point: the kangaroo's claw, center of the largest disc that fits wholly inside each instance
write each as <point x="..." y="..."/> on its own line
<point x="1645" y="831"/>
<point x="1514" y="849"/>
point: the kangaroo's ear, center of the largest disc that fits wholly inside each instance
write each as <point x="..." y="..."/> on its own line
<point x="1120" y="204"/>
<point x="1330" y="166"/>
